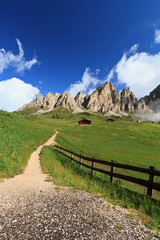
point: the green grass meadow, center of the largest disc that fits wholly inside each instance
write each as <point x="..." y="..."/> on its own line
<point x="125" y="142"/>
<point x="19" y="138"/>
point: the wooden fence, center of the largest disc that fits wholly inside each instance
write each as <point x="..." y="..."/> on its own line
<point x="149" y="184"/>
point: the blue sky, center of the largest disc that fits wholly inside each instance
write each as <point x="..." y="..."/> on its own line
<point x="58" y="45"/>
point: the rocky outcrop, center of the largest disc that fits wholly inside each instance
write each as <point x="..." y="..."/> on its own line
<point x="86" y="99"/>
<point x="152" y="101"/>
<point x="39" y="100"/>
<point x="66" y="100"/>
<point x="128" y="101"/>
<point x="79" y="99"/>
<point x="141" y="107"/>
<point x="155" y="94"/>
<point x="103" y="99"/>
<point x="37" y="103"/>
<point x="155" y="105"/>
<point x="50" y="100"/>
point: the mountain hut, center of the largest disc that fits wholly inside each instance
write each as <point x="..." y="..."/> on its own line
<point x="110" y="120"/>
<point x="84" y="122"/>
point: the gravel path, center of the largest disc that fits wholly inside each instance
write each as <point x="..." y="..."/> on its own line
<point x="31" y="208"/>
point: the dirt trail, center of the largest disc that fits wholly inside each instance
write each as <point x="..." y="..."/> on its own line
<point x="32" y="178"/>
<point x="31" y="208"/>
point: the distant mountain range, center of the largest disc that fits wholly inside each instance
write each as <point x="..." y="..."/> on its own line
<point x="104" y="99"/>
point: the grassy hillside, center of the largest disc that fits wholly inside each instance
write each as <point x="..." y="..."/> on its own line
<point x="122" y="141"/>
<point x="21" y="133"/>
<point x="19" y="137"/>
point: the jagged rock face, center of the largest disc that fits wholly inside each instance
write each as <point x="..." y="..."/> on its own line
<point x="38" y="102"/>
<point x="57" y="95"/>
<point x="66" y="100"/>
<point x="85" y="100"/>
<point x="128" y="101"/>
<point x="141" y="106"/>
<point x="155" y="105"/>
<point x="103" y="99"/>
<point x="155" y="93"/>
<point x="152" y="101"/>
<point x="50" y="100"/>
<point x="79" y="99"/>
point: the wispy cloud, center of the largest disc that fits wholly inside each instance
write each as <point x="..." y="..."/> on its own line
<point x="87" y="84"/>
<point x="14" y="93"/>
<point x="138" y="70"/>
<point x="110" y="75"/>
<point x="157" y="36"/>
<point x="8" y="59"/>
<point x="133" y="49"/>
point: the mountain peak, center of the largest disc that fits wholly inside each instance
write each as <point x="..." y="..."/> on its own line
<point x="104" y="99"/>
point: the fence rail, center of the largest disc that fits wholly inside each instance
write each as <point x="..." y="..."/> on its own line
<point x="149" y="184"/>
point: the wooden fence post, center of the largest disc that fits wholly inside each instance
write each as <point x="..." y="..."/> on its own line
<point x="72" y="157"/>
<point x="111" y="177"/>
<point x="151" y="179"/>
<point x="93" y="164"/>
<point x="80" y="161"/>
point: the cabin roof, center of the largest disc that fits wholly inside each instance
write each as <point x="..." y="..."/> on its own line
<point x="110" y="119"/>
<point x="84" y="121"/>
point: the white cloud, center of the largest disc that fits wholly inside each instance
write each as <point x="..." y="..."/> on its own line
<point x="14" y="93"/>
<point x="87" y="84"/>
<point x="25" y="65"/>
<point x="110" y="75"/>
<point x="134" y="48"/>
<point x="157" y="36"/>
<point x="8" y="59"/>
<point x="139" y="71"/>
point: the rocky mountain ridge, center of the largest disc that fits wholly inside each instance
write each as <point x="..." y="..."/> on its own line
<point x="153" y="100"/>
<point x="104" y="99"/>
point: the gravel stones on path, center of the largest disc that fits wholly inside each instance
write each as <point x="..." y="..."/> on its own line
<point x="67" y="214"/>
<point x="31" y="208"/>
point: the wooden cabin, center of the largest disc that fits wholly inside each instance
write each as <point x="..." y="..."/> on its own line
<point x="110" y="120"/>
<point x="84" y="122"/>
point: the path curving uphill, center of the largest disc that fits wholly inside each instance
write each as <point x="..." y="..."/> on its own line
<point x="31" y="208"/>
<point x="32" y="178"/>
